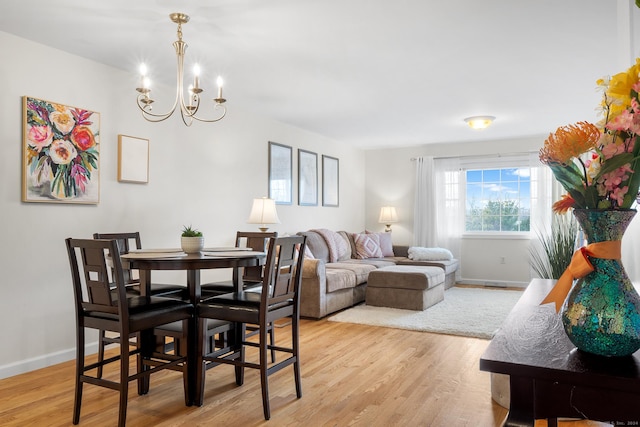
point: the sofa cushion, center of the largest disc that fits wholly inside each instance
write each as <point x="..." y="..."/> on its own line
<point x="361" y="270"/>
<point x="316" y="245"/>
<point x="339" y="279"/>
<point x="376" y="262"/>
<point x="367" y="245"/>
<point x="386" y="246"/>
<point x="336" y="244"/>
<point x="406" y="277"/>
<point x="351" y="243"/>
<point x="448" y="266"/>
<point x="348" y="250"/>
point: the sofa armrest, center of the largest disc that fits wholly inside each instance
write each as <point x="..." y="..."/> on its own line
<point x="311" y="267"/>
<point x="313" y="290"/>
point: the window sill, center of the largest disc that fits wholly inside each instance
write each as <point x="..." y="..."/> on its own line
<point x="525" y="235"/>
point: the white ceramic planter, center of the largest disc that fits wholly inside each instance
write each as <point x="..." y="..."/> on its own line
<point x="192" y="244"/>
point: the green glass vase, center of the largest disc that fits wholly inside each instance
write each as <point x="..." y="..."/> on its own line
<point x="601" y="314"/>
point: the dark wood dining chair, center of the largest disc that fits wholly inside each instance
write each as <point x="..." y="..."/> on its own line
<point x="250" y="278"/>
<point x="132" y="240"/>
<point x="102" y="303"/>
<point x="127" y="241"/>
<point x="279" y="298"/>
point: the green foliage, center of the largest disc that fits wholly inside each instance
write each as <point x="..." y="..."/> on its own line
<point x="190" y="232"/>
<point x="497" y="215"/>
<point x="556" y="247"/>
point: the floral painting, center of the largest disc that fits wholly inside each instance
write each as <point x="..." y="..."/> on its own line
<point x="61" y="153"/>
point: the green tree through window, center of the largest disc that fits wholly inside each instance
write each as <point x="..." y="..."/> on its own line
<point x="498" y="200"/>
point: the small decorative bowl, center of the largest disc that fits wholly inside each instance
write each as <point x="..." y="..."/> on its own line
<point x="192" y="245"/>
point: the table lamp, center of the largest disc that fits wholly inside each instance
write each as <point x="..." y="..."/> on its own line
<point x="388" y="216"/>
<point x="263" y="212"/>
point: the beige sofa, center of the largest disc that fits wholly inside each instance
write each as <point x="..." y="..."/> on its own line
<point x="331" y="285"/>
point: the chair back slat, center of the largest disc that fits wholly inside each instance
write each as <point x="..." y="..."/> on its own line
<point x="283" y="269"/>
<point x="256" y="241"/>
<point x="125" y="242"/>
<point x="97" y="275"/>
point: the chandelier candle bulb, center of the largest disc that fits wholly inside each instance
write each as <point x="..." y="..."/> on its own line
<point x="196" y="76"/>
<point x="219" y="82"/>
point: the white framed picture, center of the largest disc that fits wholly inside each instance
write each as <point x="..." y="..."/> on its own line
<point x="133" y="159"/>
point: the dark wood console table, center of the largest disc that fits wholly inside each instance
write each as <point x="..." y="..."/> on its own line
<point x="550" y="378"/>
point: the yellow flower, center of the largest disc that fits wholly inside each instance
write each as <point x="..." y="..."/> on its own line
<point x="568" y="142"/>
<point x="619" y="91"/>
<point x="63" y="121"/>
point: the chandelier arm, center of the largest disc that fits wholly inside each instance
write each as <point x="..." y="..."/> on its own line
<point x="217" y="106"/>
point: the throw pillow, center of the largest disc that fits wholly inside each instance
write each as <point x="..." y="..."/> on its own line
<point x="307" y="253"/>
<point x="386" y="246"/>
<point x="367" y="246"/>
<point x="348" y="248"/>
<point x="429" y="254"/>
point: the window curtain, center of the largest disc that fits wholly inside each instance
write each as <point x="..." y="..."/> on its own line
<point x="438" y="210"/>
<point x="424" y="222"/>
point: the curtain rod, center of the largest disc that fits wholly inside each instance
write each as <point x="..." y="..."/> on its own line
<point x="521" y="153"/>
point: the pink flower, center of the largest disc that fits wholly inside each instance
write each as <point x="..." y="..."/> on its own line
<point x="79" y="175"/>
<point x="40" y="137"/>
<point x="622" y="121"/>
<point x="612" y="149"/>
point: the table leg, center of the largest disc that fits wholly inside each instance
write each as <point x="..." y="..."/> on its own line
<point x="145" y="289"/>
<point x="193" y="283"/>
<point x="521" y="406"/>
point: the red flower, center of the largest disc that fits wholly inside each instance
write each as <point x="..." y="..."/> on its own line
<point x="83" y="138"/>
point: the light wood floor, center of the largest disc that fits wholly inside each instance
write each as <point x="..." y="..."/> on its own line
<point x="352" y="375"/>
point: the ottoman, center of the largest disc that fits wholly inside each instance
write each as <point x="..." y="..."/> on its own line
<point x="408" y="287"/>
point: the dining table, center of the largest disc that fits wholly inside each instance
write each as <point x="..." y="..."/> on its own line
<point x="148" y="260"/>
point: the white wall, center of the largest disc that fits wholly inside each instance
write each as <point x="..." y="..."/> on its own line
<point x="205" y="175"/>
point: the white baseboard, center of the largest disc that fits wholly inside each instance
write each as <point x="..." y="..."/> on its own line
<point x="43" y="361"/>
<point x="494" y="283"/>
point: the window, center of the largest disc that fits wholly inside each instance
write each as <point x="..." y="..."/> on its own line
<point x="498" y="199"/>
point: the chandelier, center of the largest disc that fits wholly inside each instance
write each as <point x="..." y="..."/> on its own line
<point x="188" y="107"/>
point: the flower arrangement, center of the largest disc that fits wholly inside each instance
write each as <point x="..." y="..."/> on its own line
<point x="61" y="149"/>
<point x="597" y="163"/>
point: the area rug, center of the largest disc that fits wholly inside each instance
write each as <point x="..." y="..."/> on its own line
<point x="470" y="312"/>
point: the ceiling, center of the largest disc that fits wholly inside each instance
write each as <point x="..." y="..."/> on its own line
<point x="371" y="73"/>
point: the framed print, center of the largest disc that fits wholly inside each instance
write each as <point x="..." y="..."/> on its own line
<point x="307" y="178"/>
<point x="280" y="173"/>
<point x="133" y="159"/>
<point x="330" y="181"/>
<point x="61" y="153"/>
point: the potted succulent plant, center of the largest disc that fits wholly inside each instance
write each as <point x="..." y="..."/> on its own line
<point x="191" y="240"/>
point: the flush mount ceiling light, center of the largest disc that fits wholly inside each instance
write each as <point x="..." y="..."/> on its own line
<point x="189" y="106"/>
<point x="479" y="122"/>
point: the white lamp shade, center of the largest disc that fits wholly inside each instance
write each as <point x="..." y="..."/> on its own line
<point x="263" y="211"/>
<point x="388" y="215"/>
